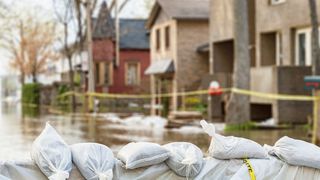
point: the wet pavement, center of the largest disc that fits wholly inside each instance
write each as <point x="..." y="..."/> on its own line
<point x="17" y="132"/>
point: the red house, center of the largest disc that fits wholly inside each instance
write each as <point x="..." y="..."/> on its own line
<point x="128" y="76"/>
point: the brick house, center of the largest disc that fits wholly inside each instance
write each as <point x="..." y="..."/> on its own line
<point x="280" y="48"/>
<point x="177" y="29"/>
<point x="127" y="76"/>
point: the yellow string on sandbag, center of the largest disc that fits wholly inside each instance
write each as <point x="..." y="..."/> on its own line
<point x="250" y="169"/>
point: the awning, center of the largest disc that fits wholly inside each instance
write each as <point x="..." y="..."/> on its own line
<point x="203" y="48"/>
<point x="160" y="67"/>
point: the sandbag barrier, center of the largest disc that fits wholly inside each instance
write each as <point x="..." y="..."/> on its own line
<point x="54" y="159"/>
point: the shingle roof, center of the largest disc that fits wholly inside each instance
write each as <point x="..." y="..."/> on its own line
<point x="180" y="9"/>
<point x="133" y="34"/>
<point x="186" y="9"/>
<point x="103" y="26"/>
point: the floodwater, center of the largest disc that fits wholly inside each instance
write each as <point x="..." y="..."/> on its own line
<point x="17" y="132"/>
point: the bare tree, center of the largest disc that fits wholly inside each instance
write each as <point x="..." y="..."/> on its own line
<point x="16" y="49"/>
<point x="40" y="40"/>
<point x="238" y="106"/>
<point x="73" y="12"/>
<point x="64" y="10"/>
<point x="30" y="45"/>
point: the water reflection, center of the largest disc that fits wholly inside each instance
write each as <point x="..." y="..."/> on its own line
<point x="18" y="132"/>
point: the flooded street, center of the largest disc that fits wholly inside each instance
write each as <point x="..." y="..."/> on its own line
<point x="17" y="132"/>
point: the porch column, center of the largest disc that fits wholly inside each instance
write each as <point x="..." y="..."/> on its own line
<point x="174" y="91"/>
<point x="153" y="95"/>
<point x="316" y="125"/>
<point x="159" y="87"/>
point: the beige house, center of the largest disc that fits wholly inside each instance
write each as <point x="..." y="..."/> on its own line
<point x="280" y="47"/>
<point x="178" y="31"/>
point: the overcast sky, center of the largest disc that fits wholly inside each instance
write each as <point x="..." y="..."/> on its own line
<point x="134" y="9"/>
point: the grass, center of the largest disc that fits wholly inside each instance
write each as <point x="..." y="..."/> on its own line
<point x="240" y="127"/>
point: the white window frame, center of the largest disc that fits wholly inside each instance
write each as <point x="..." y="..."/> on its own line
<point x="307" y="32"/>
<point x="138" y="73"/>
<point x="279" y="59"/>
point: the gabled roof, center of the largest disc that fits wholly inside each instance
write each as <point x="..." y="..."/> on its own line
<point x="103" y="26"/>
<point x="133" y="34"/>
<point x="180" y="9"/>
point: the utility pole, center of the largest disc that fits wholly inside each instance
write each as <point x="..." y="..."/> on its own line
<point x="91" y="79"/>
<point x="238" y="106"/>
<point x="315" y="66"/>
<point x="116" y="13"/>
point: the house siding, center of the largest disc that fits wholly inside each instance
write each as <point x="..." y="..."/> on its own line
<point x="103" y="50"/>
<point x="191" y="66"/>
<point x="274" y="76"/>
<point x="119" y="83"/>
<point x="284" y="18"/>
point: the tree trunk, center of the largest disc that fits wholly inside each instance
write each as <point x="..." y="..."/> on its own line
<point x="71" y="76"/>
<point x="91" y="79"/>
<point x="238" y="106"/>
<point x="315" y="38"/>
<point x="34" y="77"/>
<point x="22" y="76"/>
<point x="71" y="83"/>
<point x="315" y="60"/>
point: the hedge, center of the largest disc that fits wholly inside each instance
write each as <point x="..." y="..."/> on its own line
<point x="31" y="93"/>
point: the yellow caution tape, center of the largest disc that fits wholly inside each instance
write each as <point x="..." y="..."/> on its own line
<point x="315" y="121"/>
<point x="274" y="96"/>
<point x="250" y="169"/>
<point x="193" y="93"/>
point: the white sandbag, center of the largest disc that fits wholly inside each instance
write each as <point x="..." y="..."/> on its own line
<point x="142" y="154"/>
<point x="144" y="173"/>
<point x="3" y="177"/>
<point x="185" y="159"/>
<point x="230" y="147"/>
<point x="52" y="154"/>
<point x="94" y="161"/>
<point x="296" y="152"/>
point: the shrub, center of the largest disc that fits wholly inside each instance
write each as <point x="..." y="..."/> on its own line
<point x="31" y="99"/>
<point x="31" y="93"/>
<point x="63" y="100"/>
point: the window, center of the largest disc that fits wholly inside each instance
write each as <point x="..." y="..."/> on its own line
<point x="132" y="74"/>
<point x="103" y="73"/>
<point x="303" y="47"/>
<point x="97" y="74"/>
<point x="279" y="58"/>
<point x="158" y="39"/>
<point x="167" y="35"/>
<point x="275" y="2"/>
<point x="108" y="73"/>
